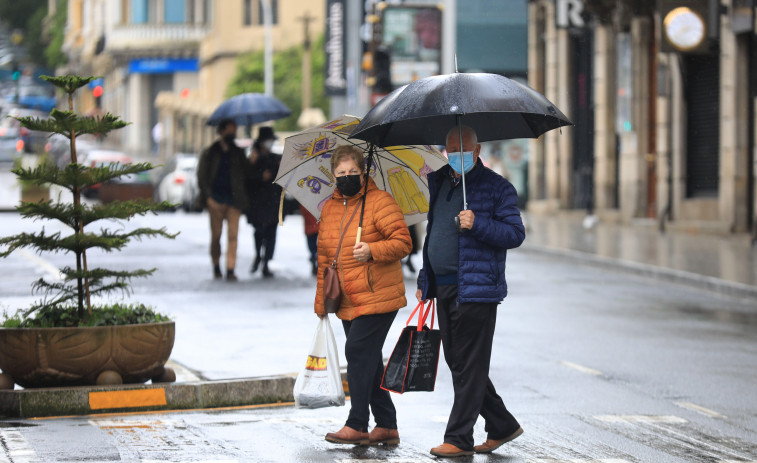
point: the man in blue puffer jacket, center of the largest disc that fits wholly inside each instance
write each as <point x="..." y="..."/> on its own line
<point x="465" y="271"/>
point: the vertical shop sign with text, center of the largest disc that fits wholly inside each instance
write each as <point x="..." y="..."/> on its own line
<point x="336" y="76"/>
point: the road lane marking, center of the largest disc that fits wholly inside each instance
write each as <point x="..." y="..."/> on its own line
<point x="384" y="460"/>
<point x="18" y="449"/>
<point x="127" y="399"/>
<point x="700" y="409"/>
<point x="51" y="270"/>
<point x="669" y="419"/>
<point x="190" y="461"/>
<point x="581" y="368"/>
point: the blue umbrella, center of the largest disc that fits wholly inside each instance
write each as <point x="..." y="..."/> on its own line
<point x="249" y="109"/>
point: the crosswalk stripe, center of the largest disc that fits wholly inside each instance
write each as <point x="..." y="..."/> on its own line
<point x="189" y="461"/>
<point x="603" y="460"/>
<point x="387" y="460"/>
<point x="18" y="449"/>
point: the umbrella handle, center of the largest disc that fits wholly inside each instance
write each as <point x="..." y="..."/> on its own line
<point x="359" y="234"/>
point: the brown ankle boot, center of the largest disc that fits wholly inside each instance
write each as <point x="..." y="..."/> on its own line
<point x="384" y="436"/>
<point x="347" y="435"/>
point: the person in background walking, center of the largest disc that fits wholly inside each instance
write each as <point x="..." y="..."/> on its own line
<point x="465" y="271"/>
<point x="221" y="180"/>
<point x="370" y="273"/>
<point x="311" y="233"/>
<point x="414" y="236"/>
<point x="264" y="197"/>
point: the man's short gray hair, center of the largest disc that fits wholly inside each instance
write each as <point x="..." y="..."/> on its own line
<point x="467" y="132"/>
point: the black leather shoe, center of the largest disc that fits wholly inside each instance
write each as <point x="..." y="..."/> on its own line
<point x="266" y="271"/>
<point x="230" y="276"/>
<point x="217" y="272"/>
<point x="255" y="265"/>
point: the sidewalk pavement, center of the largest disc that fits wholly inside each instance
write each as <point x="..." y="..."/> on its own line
<point x="723" y="264"/>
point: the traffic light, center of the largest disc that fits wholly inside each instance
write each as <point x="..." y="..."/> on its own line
<point x="16" y="74"/>
<point x="382" y="71"/>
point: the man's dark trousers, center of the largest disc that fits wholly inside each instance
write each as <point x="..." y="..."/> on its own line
<point x="365" y="338"/>
<point x="467" y="335"/>
<point x="265" y="236"/>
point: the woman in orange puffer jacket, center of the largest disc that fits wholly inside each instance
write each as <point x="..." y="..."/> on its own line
<point x="373" y="288"/>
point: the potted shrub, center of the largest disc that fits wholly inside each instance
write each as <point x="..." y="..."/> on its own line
<point x="70" y="337"/>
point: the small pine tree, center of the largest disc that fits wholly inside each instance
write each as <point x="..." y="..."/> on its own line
<point x="68" y="302"/>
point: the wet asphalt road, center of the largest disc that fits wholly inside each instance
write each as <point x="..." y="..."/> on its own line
<point x="597" y="365"/>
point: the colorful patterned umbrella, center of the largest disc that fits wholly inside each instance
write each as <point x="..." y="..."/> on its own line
<point x="305" y="171"/>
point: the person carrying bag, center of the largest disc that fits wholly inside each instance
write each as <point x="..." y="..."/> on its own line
<point x="415" y="359"/>
<point x="366" y="252"/>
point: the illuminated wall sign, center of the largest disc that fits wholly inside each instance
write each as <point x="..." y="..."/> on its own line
<point x="163" y="66"/>
<point x="570" y="13"/>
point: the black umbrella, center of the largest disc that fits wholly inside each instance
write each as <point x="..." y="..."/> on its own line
<point x="421" y="113"/>
<point x="249" y="109"/>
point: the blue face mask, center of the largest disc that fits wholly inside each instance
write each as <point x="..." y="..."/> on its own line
<point x="454" y="161"/>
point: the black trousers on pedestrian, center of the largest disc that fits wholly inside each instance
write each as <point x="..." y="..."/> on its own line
<point x="313" y="246"/>
<point x="365" y="338"/>
<point x="265" y="237"/>
<point x="467" y="334"/>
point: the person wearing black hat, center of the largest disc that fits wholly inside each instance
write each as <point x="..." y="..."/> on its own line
<point x="264" y="197"/>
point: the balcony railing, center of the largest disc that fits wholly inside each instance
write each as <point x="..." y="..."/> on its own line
<point x="133" y="36"/>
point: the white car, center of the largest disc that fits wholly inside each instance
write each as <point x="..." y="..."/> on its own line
<point x="174" y="177"/>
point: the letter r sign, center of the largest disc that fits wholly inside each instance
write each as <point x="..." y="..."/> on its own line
<point x="569" y="13"/>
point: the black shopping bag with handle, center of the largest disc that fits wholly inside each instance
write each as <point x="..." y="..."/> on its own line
<point x="415" y="358"/>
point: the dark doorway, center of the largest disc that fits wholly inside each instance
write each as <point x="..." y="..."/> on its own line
<point x="583" y="139"/>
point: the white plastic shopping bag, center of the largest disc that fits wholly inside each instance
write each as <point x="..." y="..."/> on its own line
<point x="319" y="384"/>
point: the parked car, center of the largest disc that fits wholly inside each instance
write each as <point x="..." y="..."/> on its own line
<point x="102" y="158"/>
<point x="174" y="177"/>
<point x="10" y="148"/>
<point x="191" y="191"/>
<point x="32" y="141"/>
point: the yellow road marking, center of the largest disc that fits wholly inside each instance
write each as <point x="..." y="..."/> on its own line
<point x="156" y="412"/>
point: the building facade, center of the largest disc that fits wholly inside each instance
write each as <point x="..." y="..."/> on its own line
<point x="169" y="62"/>
<point x="662" y="96"/>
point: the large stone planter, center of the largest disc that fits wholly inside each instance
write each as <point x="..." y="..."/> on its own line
<point x="34" y="193"/>
<point x="58" y="357"/>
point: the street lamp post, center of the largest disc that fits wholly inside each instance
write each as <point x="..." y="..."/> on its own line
<point x="268" y="51"/>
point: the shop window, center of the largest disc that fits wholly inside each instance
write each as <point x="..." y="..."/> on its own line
<point x="274" y="12"/>
<point x="174" y="11"/>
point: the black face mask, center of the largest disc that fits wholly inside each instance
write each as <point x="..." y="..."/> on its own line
<point x="229" y="139"/>
<point x="348" y="185"/>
